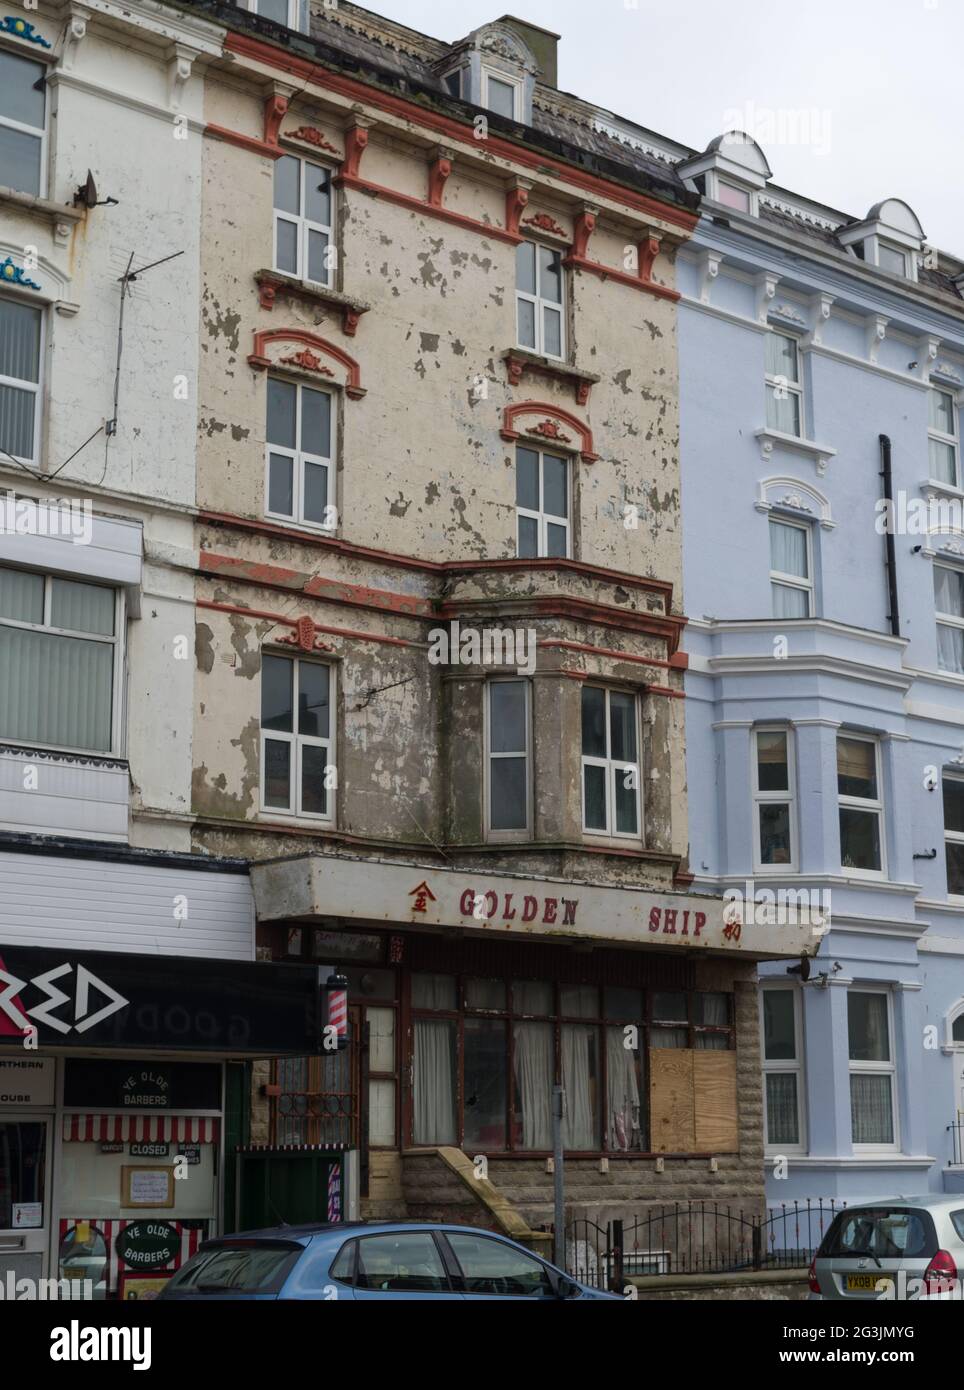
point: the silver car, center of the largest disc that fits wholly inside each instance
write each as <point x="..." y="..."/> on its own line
<point x="894" y="1248"/>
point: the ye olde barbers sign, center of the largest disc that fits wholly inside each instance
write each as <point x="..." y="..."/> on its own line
<point x="328" y="886"/>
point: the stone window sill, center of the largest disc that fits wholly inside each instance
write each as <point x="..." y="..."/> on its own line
<point x="60" y="214"/>
<point x="271" y="283"/>
<point x="769" y="439"/>
<point x="518" y="361"/>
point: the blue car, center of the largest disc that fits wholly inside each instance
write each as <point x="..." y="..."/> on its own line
<point x="370" y="1260"/>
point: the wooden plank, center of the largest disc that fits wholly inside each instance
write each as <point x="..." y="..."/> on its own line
<point x="671" y="1108"/>
<point x="714" y="1077"/>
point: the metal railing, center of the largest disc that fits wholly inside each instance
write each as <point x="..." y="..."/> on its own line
<point x="697" y="1238"/>
<point x="956" y="1131"/>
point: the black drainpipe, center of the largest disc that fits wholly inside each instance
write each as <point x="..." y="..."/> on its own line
<point x="891" y="561"/>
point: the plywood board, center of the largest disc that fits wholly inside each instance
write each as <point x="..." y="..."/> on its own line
<point x="671" y="1100"/>
<point x="714" y="1077"/>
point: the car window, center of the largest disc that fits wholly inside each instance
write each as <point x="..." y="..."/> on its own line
<point x="958" y="1219"/>
<point x="255" y="1268"/>
<point x="492" y="1267"/>
<point x="407" y="1261"/>
<point x="887" y="1233"/>
<point x="342" y="1266"/>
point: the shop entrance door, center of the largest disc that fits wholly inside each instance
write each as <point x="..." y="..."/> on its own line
<point x="24" y="1197"/>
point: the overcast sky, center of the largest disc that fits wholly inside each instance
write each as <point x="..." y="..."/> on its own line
<point x="863" y="98"/>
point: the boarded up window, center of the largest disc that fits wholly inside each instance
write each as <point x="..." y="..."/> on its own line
<point x="692" y="1096"/>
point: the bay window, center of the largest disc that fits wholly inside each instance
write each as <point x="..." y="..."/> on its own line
<point x="943" y="440"/>
<point x="610" y="763"/>
<point x="297" y="737"/>
<point x="21" y="334"/>
<point x="539" y="299"/>
<point x="860" y="804"/>
<point x="303" y="244"/>
<point x="872" y="1071"/>
<point x="791" y="581"/>
<point x="773" y="798"/>
<point x="542" y="504"/>
<point x="949" y="608"/>
<point x="508" y="744"/>
<point x="23" y="102"/>
<point x="299" y="454"/>
<point x="783" y="384"/>
<point x="783" y="1068"/>
<point x="58" y="661"/>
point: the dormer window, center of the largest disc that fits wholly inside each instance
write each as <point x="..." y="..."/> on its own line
<point x="494" y="68"/>
<point x="293" y="14"/>
<point x="890" y="237"/>
<point x="732" y="197"/>
<point x="732" y="170"/>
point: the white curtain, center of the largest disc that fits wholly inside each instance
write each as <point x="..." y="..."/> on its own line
<point x="434" y="1082"/>
<point x="871" y="1108"/>
<point x="782" y="1124"/>
<point x="578" y="1128"/>
<point x="948" y="591"/>
<point x="533" y="1083"/>
<point x="788" y="549"/>
<point x="622" y="1090"/>
<point x="55" y="690"/>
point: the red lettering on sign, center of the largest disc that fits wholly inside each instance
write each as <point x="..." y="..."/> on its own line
<point x="732" y="931"/>
<point x="529" y="909"/>
<point x="490" y="911"/>
<point x="700" y="923"/>
<point x="669" y="921"/>
<point x="685" y="928"/>
<point x="550" y="913"/>
<point x="569" y="906"/>
<point x="467" y="903"/>
<point x="508" y="903"/>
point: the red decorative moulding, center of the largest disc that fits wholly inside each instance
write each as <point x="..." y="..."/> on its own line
<point x="307" y="359"/>
<point x="311" y="135"/>
<point x="304" y="637"/>
<point x="549" y="429"/>
<point x="544" y="223"/>
<point x="260" y="361"/>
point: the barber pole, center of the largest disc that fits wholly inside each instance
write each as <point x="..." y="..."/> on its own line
<point x="334" y="1192"/>
<point x="337" y="987"/>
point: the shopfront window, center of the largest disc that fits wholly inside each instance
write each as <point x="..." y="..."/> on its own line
<point x="22" y="1169"/>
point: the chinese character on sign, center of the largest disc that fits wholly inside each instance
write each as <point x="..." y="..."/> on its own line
<point x="395" y="950"/>
<point x="422" y="894"/>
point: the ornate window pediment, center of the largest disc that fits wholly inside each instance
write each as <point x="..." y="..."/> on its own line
<point x="305" y="354"/>
<point x="795" y="498"/>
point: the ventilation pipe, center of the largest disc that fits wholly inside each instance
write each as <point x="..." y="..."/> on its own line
<point x="890" y="553"/>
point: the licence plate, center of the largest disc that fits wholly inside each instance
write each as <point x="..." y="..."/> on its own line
<point x="861" y="1283"/>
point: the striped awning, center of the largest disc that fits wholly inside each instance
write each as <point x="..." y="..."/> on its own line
<point x="143" y="1129"/>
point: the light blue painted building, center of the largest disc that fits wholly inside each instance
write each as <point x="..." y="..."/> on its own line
<point x="825" y="710"/>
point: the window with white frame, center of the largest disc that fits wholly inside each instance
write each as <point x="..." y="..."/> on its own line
<point x="943" y="441"/>
<point x="539" y="299"/>
<point x="502" y="94"/>
<point x="542" y="504"/>
<point x="297" y="737"/>
<point x="293" y="14"/>
<point x="300" y="469"/>
<point x="949" y="611"/>
<point x="59" y="670"/>
<point x="872" y="1072"/>
<point x="954" y="834"/>
<point x="791" y="578"/>
<point x="891" y="258"/>
<point x="21" y="337"/>
<point x="23" y="119"/>
<point x="783" y="1076"/>
<point x="731" y="195"/>
<point x="303" y="244"/>
<point x="610" y="763"/>
<point x="508" y="745"/>
<point x="860" y="804"/>
<point x="784" y="384"/>
<point x="773" y="798"/>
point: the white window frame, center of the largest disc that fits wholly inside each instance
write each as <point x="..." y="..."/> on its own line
<point x="115" y="748"/>
<point x="299" y="458"/>
<point x="939" y="437"/>
<point x="32" y="129"/>
<point x="782" y="383"/>
<point x="304" y="225"/>
<point x="770" y="798"/>
<point x="858" y="803"/>
<point x="786" y="1067"/>
<point x="516" y="83"/>
<point x="901" y="251"/>
<point x="876" y="1069"/>
<point x="542" y="518"/>
<point x="793" y="581"/>
<point x="540" y="303"/>
<point x="490" y="757"/>
<point x="735" y="187"/>
<point x="613" y="767"/>
<point x="294" y="13"/>
<point x="299" y="742"/>
<point x="955" y="837"/>
<point x="943" y="619"/>
<point x="37" y="387"/>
